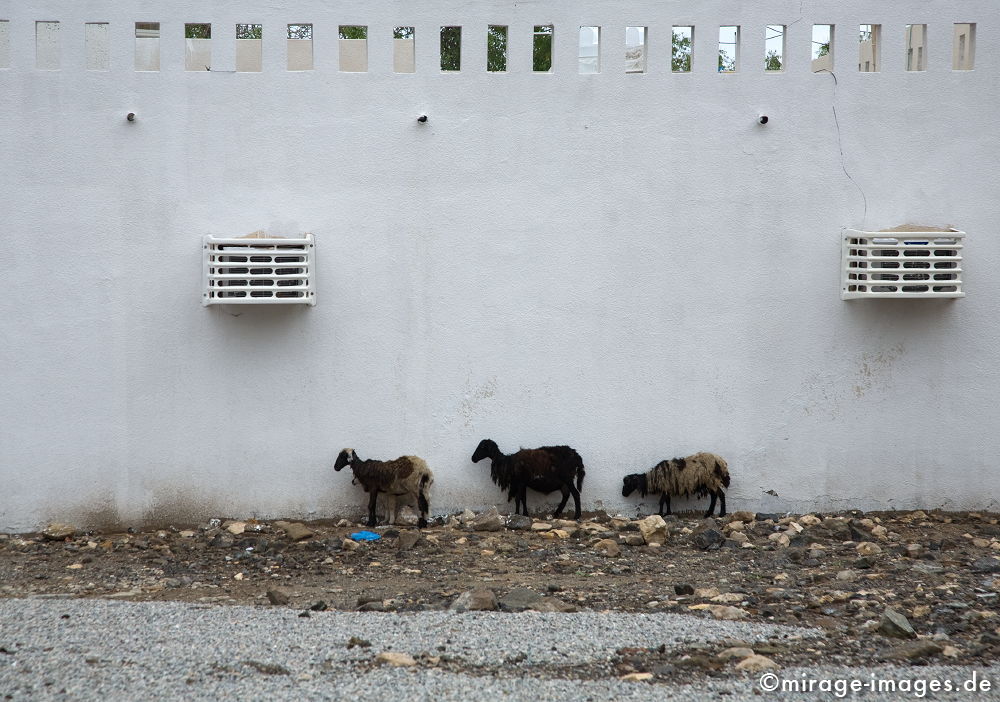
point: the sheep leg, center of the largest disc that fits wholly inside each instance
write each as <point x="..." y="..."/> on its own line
<point x="423" y="505"/>
<point x="576" y="500"/>
<point x="371" y="508"/>
<point x="722" y="503"/>
<point x="711" y="506"/>
<point x="664" y="500"/>
<point x="522" y="495"/>
<point x="565" y="499"/>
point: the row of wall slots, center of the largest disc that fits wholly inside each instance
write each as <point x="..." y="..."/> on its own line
<point x="733" y="46"/>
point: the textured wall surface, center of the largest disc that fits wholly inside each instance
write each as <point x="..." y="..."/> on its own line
<point x="629" y="264"/>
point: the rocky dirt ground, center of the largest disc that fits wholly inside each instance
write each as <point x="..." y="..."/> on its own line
<point x="907" y="588"/>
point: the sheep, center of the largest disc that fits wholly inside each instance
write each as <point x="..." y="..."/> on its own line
<point x="544" y="469"/>
<point x="700" y="475"/>
<point x="407" y="475"/>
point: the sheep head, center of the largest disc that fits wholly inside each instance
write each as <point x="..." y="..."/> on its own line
<point x="487" y="449"/>
<point x="346" y="458"/>
<point x="631" y="483"/>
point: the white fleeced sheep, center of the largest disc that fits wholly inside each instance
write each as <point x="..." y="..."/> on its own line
<point x="700" y="474"/>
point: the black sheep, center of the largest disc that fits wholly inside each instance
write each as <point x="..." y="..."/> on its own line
<point x="544" y="469"/>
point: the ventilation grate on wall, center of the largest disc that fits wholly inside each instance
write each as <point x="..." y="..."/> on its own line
<point x="259" y="271"/>
<point x="910" y="264"/>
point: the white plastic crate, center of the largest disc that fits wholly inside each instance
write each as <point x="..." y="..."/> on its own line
<point x="259" y="271"/>
<point x="901" y="264"/>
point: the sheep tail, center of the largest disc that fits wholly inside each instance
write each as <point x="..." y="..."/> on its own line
<point x="580" y="473"/>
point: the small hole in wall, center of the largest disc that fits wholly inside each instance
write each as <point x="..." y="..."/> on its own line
<point x="496" y="48"/>
<point x="635" y="49"/>
<point x="729" y="48"/>
<point x="353" y="49"/>
<point x="869" y="48"/>
<point x="47" y="49"/>
<point x="404" y="56"/>
<point x="916" y="47"/>
<point x="96" y="42"/>
<point x="147" y="46"/>
<point x="774" y="48"/>
<point x="248" y="48"/>
<point x="822" y="48"/>
<point x="681" y="49"/>
<point x="963" y="57"/>
<point x="451" y="48"/>
<point x="300" y="47"/>
<point x="590" y="50"/>
<point x="197" y="47"/>
<point x="541" y="48"/>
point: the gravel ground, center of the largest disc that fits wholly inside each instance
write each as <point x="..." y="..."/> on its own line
<point x="97" y="649"/>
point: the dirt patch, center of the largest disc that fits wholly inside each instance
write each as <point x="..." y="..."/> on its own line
<point x="940" y="571"/>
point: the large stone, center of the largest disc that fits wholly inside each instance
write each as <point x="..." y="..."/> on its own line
<point x="710" y="539"/>
<point x="986" y="565"/>
<point x="407" y="516"/>
<point x="520" y="599"/>
<point x="895" y="625"/>
<point x="408" y="539"/>
<point x="653" y="529"/>
<point x="394" y="658"/>
<point x="277" y="596"/>
<point x="552" y="604"/>
<point x="742" y="516"/>
<point x="867" y="548"/>
<point x="295" y="530"/>
<point x="608" y="547"/>
<point x="478" y="600"/>
<point x="489" y="520"/>
<point x="915" y="650"/>
<point x="57" y="531"/>
<point x="756" y="663"/>
<point x="519" y="522"/>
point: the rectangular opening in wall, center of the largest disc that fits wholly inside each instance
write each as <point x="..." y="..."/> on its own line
<point x="259" y="270"/>
<point x="869" y="43"/>
<point x="300" y="47"/>
<point x="353" y="48"/>
<point x="729" y="48"/>
<point x="404" y="50"/>
<point x="147" y="46"/>
<point x="4" y="44"/>
<point x="822" y="48"/>
<point x="902" y="262"/>
<point x="496" y="48"/>
<point x="590" y="50"/>
<point x="197" y="47"/>
<point x="248" y="48"/>
<point x="963" y="53"/>
<point x="681" y="49"/>
<point x="635" y="49"/>
<point x="774" y="48"/>
<point x="95" y="41"/>
<point x="47" y="51"/>
<point x="916" y="47"/>
<point x="541" y="48"/>
<point x="451" y="48"/>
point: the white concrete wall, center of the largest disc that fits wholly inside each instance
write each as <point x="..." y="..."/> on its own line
<point x="627" y="264"/>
